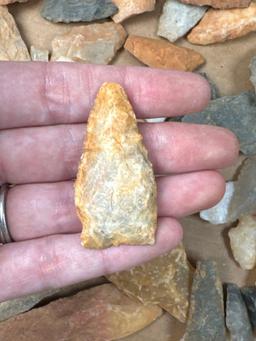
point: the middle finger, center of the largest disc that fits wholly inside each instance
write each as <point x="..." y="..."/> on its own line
<point x="50" y="154"/>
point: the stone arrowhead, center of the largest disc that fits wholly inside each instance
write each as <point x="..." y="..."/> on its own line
<point x="100" y="313"/>
<point x="221" y="25"/>
<point x="253" y="71"/>
<point x="236" y="113"/>
<point x="161" y="54"/>
<point x="223" y="4"/>
<point x="237" y="319"/>
<point x="95" y="43"/>
<point x="77" y="10"/>
<point x="165" y="281"/>
<point x="115" y="190"/>
<point x="39" y="55"/>
<point x="128" y="8"/>
<point x="243" y="242"/>
<point x="249" y="296"/>
<point x="206" y="314"/>
<point x="177" y="19"/>
<point x="12" y="47"/>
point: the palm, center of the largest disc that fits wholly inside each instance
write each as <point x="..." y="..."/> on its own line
<point x="42" y="113"/>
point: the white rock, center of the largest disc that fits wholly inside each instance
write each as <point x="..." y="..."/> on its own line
<point x="178" y="18"/>
<point x="39" y="55"/>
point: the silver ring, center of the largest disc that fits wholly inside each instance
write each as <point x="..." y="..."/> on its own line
<point x="5" y="236"/>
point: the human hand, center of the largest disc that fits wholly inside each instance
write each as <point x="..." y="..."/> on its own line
<point x="43" y="109"/>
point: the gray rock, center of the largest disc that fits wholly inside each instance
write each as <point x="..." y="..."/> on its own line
<point x="249" y="296"/>
<point x="214" y="89"/>
<point x="177" y="19"/>
<point x="77" y="10"/>
<point x="253" y="71"/>
<point x="237" y="113"/>
<point x="237" y="319"/>
<point x="206" y="315"/>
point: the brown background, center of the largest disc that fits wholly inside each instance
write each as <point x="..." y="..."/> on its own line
<point x="227" y="65"/>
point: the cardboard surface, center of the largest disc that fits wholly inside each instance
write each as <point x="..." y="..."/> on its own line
<point x="227" y="65"/>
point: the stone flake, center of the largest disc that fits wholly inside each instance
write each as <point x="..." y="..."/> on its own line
<point x="165" y="280"/>
<point x="128" y="8"/>
<point x="115" y="190"/>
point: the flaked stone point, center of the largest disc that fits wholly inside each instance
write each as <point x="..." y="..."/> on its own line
<point x="115" y="189"/>
<point x="221" y="25"/>
<point x="219" y="4"/>
<point x="129" y="8"/>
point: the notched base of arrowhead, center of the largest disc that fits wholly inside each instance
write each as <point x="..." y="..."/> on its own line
<point x="115" y="190"/>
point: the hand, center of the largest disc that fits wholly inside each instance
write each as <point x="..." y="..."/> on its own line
<point x="43" y="108"/>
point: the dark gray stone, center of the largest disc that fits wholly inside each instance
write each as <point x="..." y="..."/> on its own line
<point x="249" y="296"/>
<point x="206" y="315"/>
<point x="77" y="10"/>
<point x="237" y="319"/>
<point x="237" y="113"/>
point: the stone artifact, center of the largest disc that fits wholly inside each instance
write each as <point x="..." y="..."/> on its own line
<point x="221" y="25"/>
<point x="128" y="8"/>
<point x="236" y="113"/>
<point x="177" y="19"/>
<point x="77" y="10"/>
<point x="100" y="313"/>
<point x="166" y="281"/>
<point x="249" y="296"/>
<point x="219" y="3"/>
<point x="206" y="314"/>
<point x="95" y="43"/>
<point x="115" y="190"/>
<point x="12" y="47"/>
<point x="219" y="214"/>
<point x="237" y="319"/>
<point x="243" y="242"/>
<point x="161" y="54"/>
<point x="253" y="72"/>
<point x="39" y="55"/>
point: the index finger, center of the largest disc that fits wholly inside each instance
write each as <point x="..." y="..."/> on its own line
<point x="34" y="94"/>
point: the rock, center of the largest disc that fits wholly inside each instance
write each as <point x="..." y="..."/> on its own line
<point x="7" y="2"/>
<point x="243" y="242"/>
<point x="39" y="55"/>
<point x="161" y="54"/>
<point x="221" y="25"/>
<point x="223" y="4"/>
<point x="12" y="47"/>
<point x="237" y="113"/>
<point x="237" y="319"/>
<point x="96" y="43"/>
<point x="249" y="296"/>
<point x="239" y="199"/>
<point x="77" y="10"/>
<point x="166" y="281"/>
<point x="177" y="19"/>
<point x="206" y="314"/>
<point x="214" y="89"/>
<point x="100" y="313"/>
<point x="219" y="214"/>
<point x="253" y="72"/>
<point x="115" y="190"/>
<point x="128" y="8"/>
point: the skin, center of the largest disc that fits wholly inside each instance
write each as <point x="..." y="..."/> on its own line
<point x="44" y="108"/>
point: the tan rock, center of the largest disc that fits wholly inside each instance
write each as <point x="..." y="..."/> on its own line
<point x="12" y="46"/>
<point x="95" y="43"/>
<point x="115" y="190"/>
<point x="162" y="54"/>
<point x="165" y="281"/>
<point x="97" y="314"/>
<point x="221" y="25"/>
<point x="7" y="2"/>
<point x="39" y="55"/>
<point x="128" y="8"/>
<point x="219" y="3"/>
<point x="243" y="242"/>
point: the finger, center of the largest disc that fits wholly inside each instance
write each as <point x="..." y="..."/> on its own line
<point x="50" y="154"/>
<point x="57" y="261"/>
<point x="55" y="93"/>
<point x="39" y="210"/>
